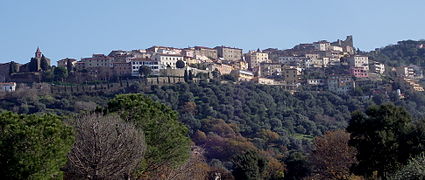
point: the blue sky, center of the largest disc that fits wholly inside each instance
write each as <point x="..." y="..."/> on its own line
<point x="79" y="28"/>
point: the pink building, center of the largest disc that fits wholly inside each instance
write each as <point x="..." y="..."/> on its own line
<point x="358" y="72"/>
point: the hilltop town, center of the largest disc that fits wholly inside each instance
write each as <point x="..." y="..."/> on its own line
<point x="204" y="107"/>
<point x="321" y="66"/>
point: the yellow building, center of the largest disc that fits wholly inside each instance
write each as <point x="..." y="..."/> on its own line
<point x="242" y="75"/>
<point x="254" y="58"/>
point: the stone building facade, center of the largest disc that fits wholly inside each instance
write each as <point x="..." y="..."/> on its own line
<point x="229" y="53"/>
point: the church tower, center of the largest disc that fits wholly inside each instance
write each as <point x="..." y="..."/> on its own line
<point x="38" y="54"/>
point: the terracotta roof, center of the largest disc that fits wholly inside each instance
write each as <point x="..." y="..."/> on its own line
<point x="8" y="83"/>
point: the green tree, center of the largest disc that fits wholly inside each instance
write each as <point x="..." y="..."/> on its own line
<point x="33" y="65"/>
<point x="229" y="77"/>
<point x="249" y="165"/>
<point x="166" y="138"/>
<point x="33" y="146"/>
<point x="297" y="166"/>
<point x="69" y="65"/>
<point x="190" y="76"/>
<point x="414" y="169"/>
<point x="60" y="73"/>
<point x="180" y="64"/>
<point x="44" y="65"/>
<point x="216" y="73"/>
<point x="48" y="76"/>
<point x="145" y="71"/>
<point x="377" y="135"/>
<point x="185" y="76"/>
<point x="13" y="67"/>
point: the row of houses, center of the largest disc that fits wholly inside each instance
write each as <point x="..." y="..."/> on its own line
<point x="268" y="66"/>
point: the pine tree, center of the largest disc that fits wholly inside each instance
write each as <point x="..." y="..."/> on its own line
<point x="190" y="75"/>
<point x="13" y="67"/>
<point x="44" y="65"/>
<point x="33" y="65"/>
<point x="186" y="78"/>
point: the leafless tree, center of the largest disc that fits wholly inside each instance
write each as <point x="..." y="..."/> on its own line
<point x="332" y="157"/>
<point x="105" y="148"/>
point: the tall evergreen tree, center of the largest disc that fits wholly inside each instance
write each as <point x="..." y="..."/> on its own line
<point x="69" y="66"/>
<point x="186" y="78"/>
<point x="190" y="75"/>
<point x="378" y="135"/>
<point x="13" y="67"/>
<point x="33" y="65"/>
<point x="44" y="65"/>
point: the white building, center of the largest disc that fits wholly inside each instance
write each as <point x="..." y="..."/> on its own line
<point x="409" y="72"/>
<point x="377" y="67"/>
<point x="359" y="61"/>
<point x="322" y="45"/>
<point x="316" y="82"/>
<point x="8" y="87"/>
<point x="166" y="60"/>
<point x="164" y="50"/>
<point x="64" y="62"/>
<point x="336" y="48"/>
<point x="137" y="63"/>
<point x="340" y="85"/>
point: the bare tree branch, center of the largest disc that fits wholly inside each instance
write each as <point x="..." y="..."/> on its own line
<point x="105" y="148"/>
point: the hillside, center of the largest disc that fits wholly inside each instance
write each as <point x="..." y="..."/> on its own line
<point x="403" y="53"/>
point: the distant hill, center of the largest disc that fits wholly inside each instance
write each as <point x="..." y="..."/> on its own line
<point x="403" y="53"/>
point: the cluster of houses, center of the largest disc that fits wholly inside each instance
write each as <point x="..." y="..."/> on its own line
<point x="338" y="61"/>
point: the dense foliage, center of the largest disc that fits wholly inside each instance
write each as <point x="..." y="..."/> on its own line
<point x="380" y="136"/>
<point x="249" y="166"/>
<point x="255" y="107"/>
<point x="166" y="139"/>
<point x="403" y="53"/>
<point x="415" y="169"/>
<point x="226" y="119"/>
<point x="33" y="146"/>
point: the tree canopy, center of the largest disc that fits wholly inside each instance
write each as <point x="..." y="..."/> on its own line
<point x="44" y="65"/>
<point x="166" y="138"/>
<point x="403" y="53"/>
<point x="60" y="73"/>
<point x="414" y="169"/>
<point x="377" y="135"/>
<point x="249" y="166"/>
<point x="33" y="146"/>
<point x="180" y="64"/>
<point x="145" y="71"/>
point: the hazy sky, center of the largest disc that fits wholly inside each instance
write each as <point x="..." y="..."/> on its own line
<point x="79" y="28"/>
